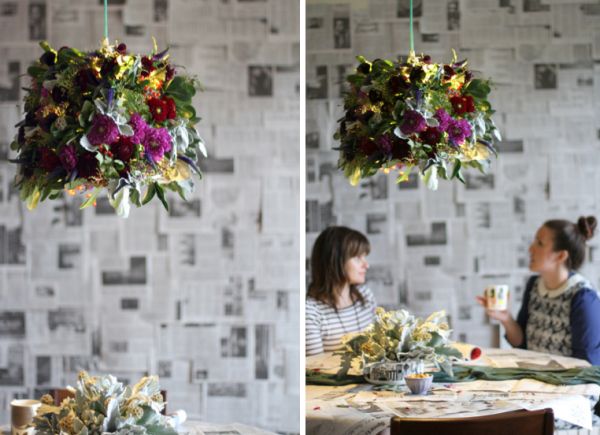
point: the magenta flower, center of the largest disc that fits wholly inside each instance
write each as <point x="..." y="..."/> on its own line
<point x="104" y="130"/>
<point x="157" y="142"/>
<point x="458" y="131"/>
<point x="139" y="128"/>
<point x="68" y="157"/>
<point x="412" y="122"/>
<point x="443" y="118"/>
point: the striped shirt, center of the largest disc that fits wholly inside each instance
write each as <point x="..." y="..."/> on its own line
<point x="325" y="328"/>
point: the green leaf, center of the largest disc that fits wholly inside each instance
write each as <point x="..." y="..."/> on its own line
<point x="160" y="192"/>
<point x="36" y="71"/>
<point x="478" y="88"/>
<point x="91" y="199"/>
<point x="149" y="194"/>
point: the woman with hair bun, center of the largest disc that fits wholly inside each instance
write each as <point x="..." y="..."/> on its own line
<point x="560" y="313"/>
<point x="337" y="301"/>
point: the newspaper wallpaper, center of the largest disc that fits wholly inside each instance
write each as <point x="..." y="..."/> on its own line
<point x="434" y="250"/>
<point x="206" y="295"/>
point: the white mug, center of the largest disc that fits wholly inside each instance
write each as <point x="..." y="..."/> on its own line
<point x="21" y="416"/>
<point x="496" y="297"/>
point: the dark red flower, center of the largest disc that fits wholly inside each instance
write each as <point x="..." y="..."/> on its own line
<point x="462" y="104"/>
<point x="147" y="66"/>
<point x="68" y="157"/>
<point x="59" y="94"/>
<point x="170" y="73"/>
<point x="48" y="58"/>
<point x="87" y="79"/>
<point x="431" y="136"/>
<point x="375" y="96"/>
<point x="448" y="72"/>
<point x="46" y="122"/>
<point x="171" y="108"/>
<point x="364" y="68"/>
<point x="123" y="149"/>
<point x="87" y="165"/>
<point x="158" y="109"/>
<point x="367" y="146"/>
<point x="108" y="67"/>
<point x="475" y="353"/>
<point x="122" y="48"/>
<point x="400" y="149"/>
<point x="48" y="160"/>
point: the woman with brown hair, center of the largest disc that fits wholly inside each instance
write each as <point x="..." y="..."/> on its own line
<point x="337" y="302"/>
<point x="560" y="313"/>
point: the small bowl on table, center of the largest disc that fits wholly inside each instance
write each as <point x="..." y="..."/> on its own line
<point x="419" y="383"/>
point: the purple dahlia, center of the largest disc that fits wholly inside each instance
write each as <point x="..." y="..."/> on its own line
<point x="104" y="130"/>
<point x="139" y="128"/>
<point x="157" y="142"/>
<point x="443" y="118"/>
<point x="412" y="122"/>
<point x="458" y="131"/>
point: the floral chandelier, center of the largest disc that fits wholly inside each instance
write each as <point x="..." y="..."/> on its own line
<point x="415" y="113"/>
<point x="107" y="120"/>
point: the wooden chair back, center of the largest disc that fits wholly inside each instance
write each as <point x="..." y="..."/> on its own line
<point x="508" y="423"/>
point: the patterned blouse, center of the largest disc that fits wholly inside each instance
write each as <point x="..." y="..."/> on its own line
<point x="563" y="321"/>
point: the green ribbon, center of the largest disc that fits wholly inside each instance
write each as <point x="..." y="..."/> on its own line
<point x="412" y="36"/>
<point x="106" y="19"/>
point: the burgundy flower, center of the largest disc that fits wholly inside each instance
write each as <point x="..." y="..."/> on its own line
<point x="122" y="48"/>
<point x="431" y="136"/>
<point x="443" y="118"/>
<point x="375" y="96"/>
<point x="59" y="94"/>
<point x="48" y="160"/>
<point x="397" y="84"/>
<point x="87" y="79"/>
<point x="170" y="73"/>
<point x="385" y="143"/>
<point x="367" y="146"/>
<point x="401" y="149"/>
<point x="147" y="66"/>
<point x="158" y="109"/>
<point x="108" y="67"/>
<point x="103" y="130"/>
<point x="68" y="157"/>
<point x="170" y="108"/>
<point x="448" y="72"/>
<point x="157" y="142"/>
<point x="458" y="131"/>
<point x="417" y="74"/>
<point x="48" y="58"/>
<point x="123" y="148"/>
<point x="364" y="68"/>
<point x="412" y="122"/>
<point x="462" y="104"/>
<point x="87" y="166"/>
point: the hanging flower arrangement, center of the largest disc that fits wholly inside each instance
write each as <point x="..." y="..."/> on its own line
<point x="107" y="120"/>
<point x="415" y="113"/>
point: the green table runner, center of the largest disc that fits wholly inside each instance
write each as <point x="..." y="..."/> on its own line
<point x="575" y="376"/>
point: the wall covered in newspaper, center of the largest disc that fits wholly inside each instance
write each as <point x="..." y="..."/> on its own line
<point x="205" y="295"/>
<point x="438" y="250"/>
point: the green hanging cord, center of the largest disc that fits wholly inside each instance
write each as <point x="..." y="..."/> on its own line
<point x="412" y="37"/>
<point x="106" y="21"/>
